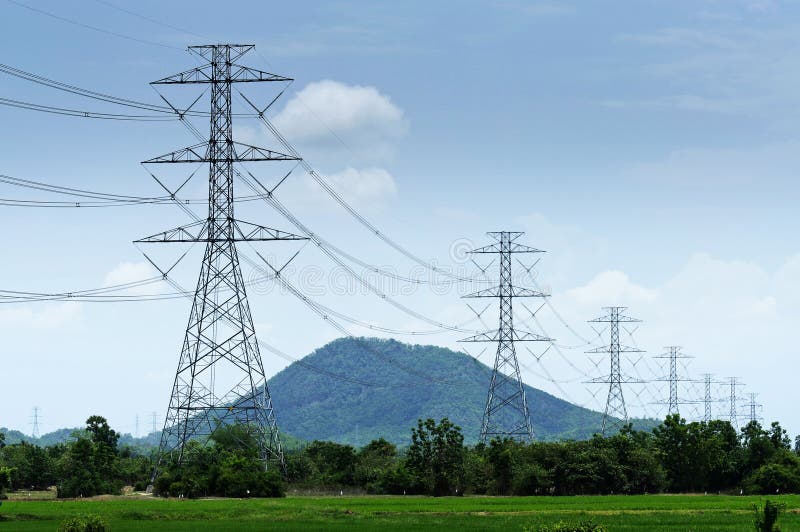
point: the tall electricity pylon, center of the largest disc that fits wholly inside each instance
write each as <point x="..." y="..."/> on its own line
<point x="506" y="414"/>
<point x="734" y="415"/>
<point x="220" y="378"/>
<point x="35" y="422"/>
<point x="708" y="380"/>
<point x="754" y="408"/>
<point x="616" y="414"/>
<point x="673" y="354"/>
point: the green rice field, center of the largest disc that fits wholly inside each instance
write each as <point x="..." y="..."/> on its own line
<point x="623" y="513"/>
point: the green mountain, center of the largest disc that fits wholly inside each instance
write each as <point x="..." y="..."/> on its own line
<point x="354" y="390"/>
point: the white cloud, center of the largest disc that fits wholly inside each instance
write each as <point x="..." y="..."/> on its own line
<point x="566" y="246"/>
<point x="719" y="66"/>
<point x="752" y="165"/>
<point x="538" y="9"/>
<point x="45" y="318"/>
<point x="611" y="288"/>
<point x="331" y="113"/>
<point x="127" y="272"/>
<point x="736" y="317"/>
<point x="130" y="272"/>
<point x="686" y="102"/>
<point x="368" y="188"/>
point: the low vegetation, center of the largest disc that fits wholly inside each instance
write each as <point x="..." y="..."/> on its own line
<point x="675" y="457"/>
<point x="616" y="513"/>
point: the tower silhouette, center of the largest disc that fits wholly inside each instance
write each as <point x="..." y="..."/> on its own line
<point x="616" y="413"/>
<point x="733" y="382"/>
<point x="673" y="355"/>
<point x="506" y="414"/>
<point x="220" y="378"/>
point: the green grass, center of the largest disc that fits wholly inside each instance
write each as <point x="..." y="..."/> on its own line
<point x="624" y="513"/>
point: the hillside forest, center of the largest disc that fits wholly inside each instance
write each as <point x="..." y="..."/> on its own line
<point x="674" y="457"/>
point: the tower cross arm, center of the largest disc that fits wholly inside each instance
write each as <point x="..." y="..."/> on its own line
<point x="610" y="319"/>
<point x="619" y="349"/>
<point x="204" y="74"/>
<point x="518" y="336"/>
<point x="513" y="248"/>
<point x="198" y="232"/>
<point x="201" y="153"/>
<point x="515" y="291"/>
<point x="249" y="232"/>
<point x="607" y="379"/>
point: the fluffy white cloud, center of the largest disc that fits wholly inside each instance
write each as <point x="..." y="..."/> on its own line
<point x="363" y="188"/>
<point x="755" y="165"/>
<point x="611" y="286"/>
<point x="329" y="112"/>
<point x="40" y="318"/>
<point x="736" y="317"/>
<point x="128" y="272"/>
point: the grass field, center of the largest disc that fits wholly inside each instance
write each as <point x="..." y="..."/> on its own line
<point x="641" y="513"/>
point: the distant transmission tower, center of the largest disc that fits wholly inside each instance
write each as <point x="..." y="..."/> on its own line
<point x="137" y="425"/>
<point x="734" y="415"/>
<point x="220" y="378"/>
<point x="673" y="354"/>
<point x="708" y="399"/>
<point x="754" y="408"/>
<point x="506" y="414"/>
<point x="616" y="414"/>
<point x="155" y="423"/>
<point x="35" y="422"/>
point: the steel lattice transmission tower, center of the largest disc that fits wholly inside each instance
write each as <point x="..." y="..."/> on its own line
<point x="754" y="408"/>
<point x="708" y="380"/>
<point x="506" y="414"/>
<point x="616" y="414"/>
<point x="35" y="422"/>
<point x="733" y="382"/>
<point x="673" y="354"/>
<point x="220" y="378"/>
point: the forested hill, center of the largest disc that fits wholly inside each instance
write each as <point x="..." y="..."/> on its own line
<point x="365" y="395"/>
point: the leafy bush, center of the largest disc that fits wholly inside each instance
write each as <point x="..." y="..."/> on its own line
<point x="563" y="526"/>
<point x="766" y="518"/>
<point x="89" y="523"/>
<point x="776" y="477"/>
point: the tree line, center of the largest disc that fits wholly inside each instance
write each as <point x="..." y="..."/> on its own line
<point x="675" y="457"/>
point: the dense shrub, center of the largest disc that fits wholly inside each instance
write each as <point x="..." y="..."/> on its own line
<point x="89" y="523"/>
<point x="562" y="526"/>
<point x="766" y="517"/>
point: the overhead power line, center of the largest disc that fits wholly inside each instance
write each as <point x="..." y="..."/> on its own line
<point x="90" y="27"/>
<point x="8" y="102"/>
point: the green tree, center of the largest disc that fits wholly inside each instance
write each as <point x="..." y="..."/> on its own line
<point x="245" y="476"/>
<point x="635" y="453"/>
<point x="231" y="467"/>
<point x="757" y="445"/>
<point x="373" y="462"/>
<point x="6" y="474"/>
<point x="778" y="436"/>
<point x="435" y="458"/>
<point x="500" y="456"/>
<point x="32" y="464"/>
<point x="78" y="475"/>
<point x="333" y="464"/>
<point x="672" y="443"/>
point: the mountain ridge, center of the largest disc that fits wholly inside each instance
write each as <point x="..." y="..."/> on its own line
<point x="384" y="386"/>
<point x="354" y="390"/>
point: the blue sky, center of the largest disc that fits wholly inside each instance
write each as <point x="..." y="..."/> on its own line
<point x="649" y="147"/>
